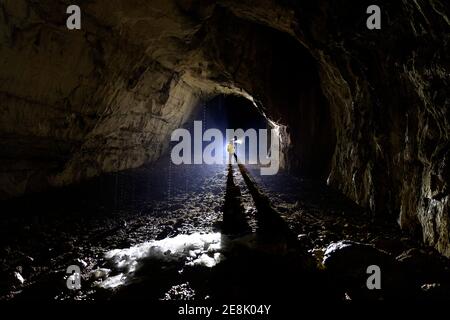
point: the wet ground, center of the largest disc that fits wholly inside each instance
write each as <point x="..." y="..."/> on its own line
<point x="222" y="233"/>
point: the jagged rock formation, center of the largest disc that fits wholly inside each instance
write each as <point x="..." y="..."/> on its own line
<point x="366" y="110"/>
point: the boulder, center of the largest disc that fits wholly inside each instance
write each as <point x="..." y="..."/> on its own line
<point x="347" y="264"/>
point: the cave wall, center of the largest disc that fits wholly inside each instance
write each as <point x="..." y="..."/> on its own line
<point x="366" y="110"/>
<point x="391" y="114"/>
<point x="76" y="104"/>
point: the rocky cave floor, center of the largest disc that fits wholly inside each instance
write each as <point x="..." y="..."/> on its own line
<point x="196" y="233"/>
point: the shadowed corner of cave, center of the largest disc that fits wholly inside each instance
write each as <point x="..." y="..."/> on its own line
<point x="89" y="178"/>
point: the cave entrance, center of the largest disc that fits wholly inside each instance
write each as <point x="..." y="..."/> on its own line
<point x="228" y="129"/>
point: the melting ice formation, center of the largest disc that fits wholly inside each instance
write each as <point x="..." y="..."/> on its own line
<point x="193" y="249"/>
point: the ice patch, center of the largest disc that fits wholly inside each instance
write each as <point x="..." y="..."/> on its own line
<point x="113" y="282"/>
<point x="194" y="250"/>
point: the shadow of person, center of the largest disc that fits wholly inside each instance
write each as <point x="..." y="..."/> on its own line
<point x="268" y="265"/>
<point x="234" y="219"/>
<point x="271" y="226"/>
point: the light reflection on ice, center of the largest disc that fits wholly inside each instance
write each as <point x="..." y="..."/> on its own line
<point x="114" y="281"/>
<point x="194" y="250"/>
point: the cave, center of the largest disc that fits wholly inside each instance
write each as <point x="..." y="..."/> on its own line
<point x="192" y="150"/>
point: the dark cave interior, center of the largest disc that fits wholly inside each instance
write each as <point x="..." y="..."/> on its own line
<point x="88" y="179"/>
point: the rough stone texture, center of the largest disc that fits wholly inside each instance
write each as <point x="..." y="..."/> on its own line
<point x="366" y="109"/>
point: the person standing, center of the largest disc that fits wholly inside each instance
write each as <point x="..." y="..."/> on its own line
<point x="231" y="151"/>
